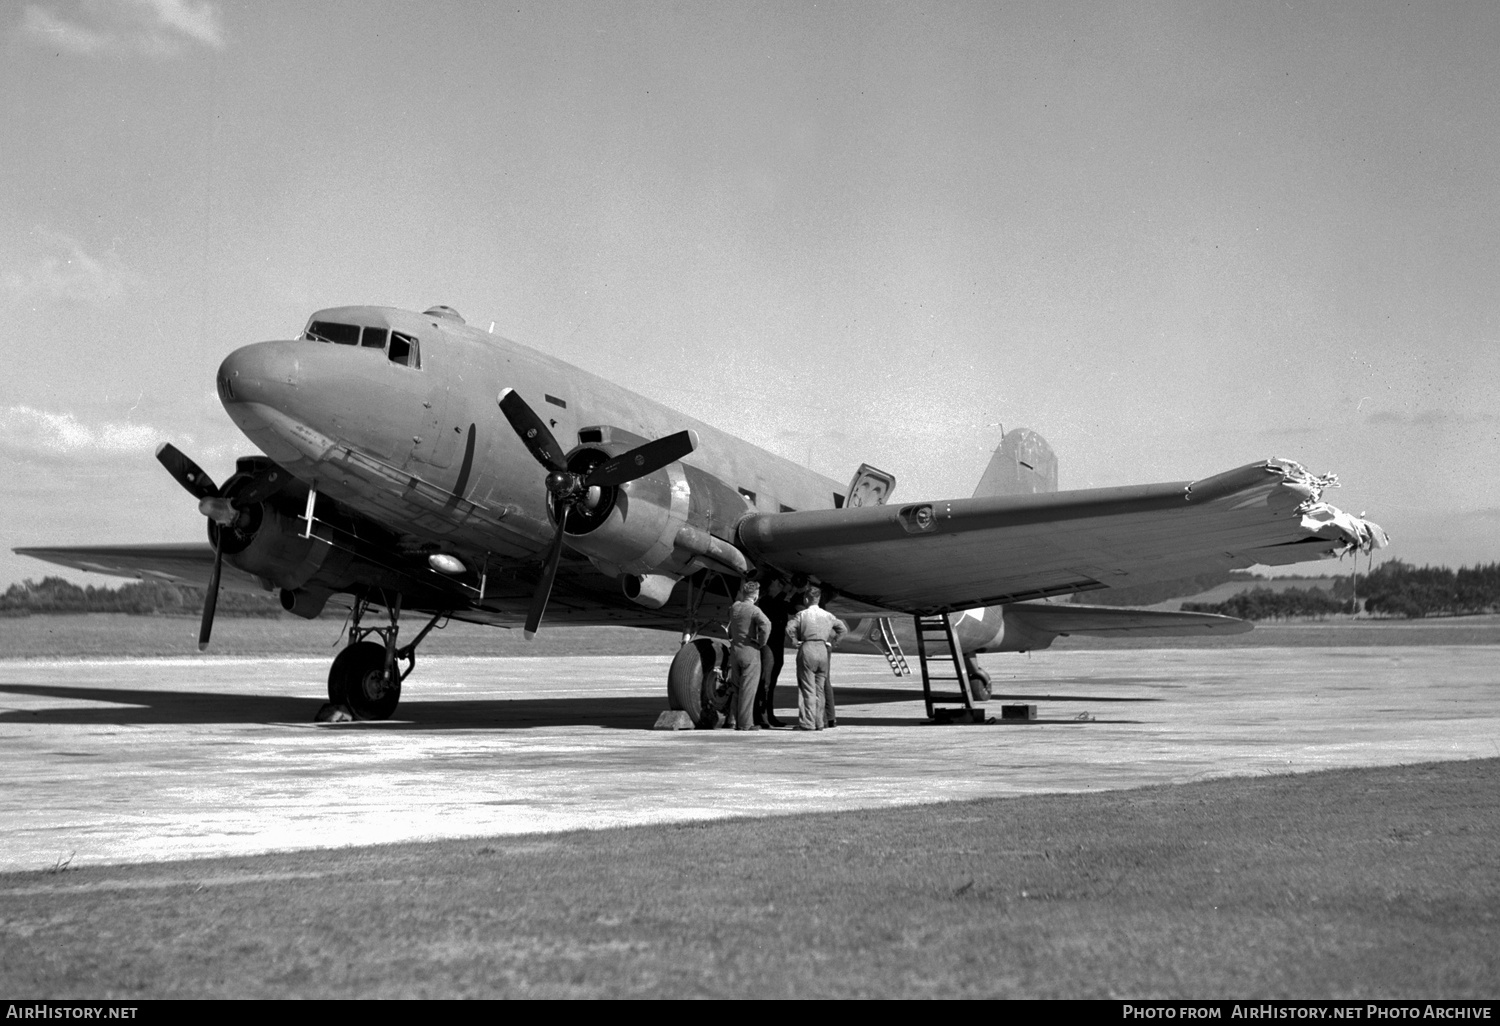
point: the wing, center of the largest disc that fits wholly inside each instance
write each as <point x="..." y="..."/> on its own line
<point x="178" y="562"/>
<point x="941" y="556"/>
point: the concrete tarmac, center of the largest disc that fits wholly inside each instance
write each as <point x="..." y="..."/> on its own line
<point x="141" y="760"/>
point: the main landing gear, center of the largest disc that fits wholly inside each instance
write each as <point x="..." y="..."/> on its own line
<point x="365" y="676"/>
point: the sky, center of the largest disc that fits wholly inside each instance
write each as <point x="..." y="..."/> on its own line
<point x="1173" y="238"/>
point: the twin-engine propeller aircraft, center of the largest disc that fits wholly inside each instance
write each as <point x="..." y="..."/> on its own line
<point x="413" y="464"/>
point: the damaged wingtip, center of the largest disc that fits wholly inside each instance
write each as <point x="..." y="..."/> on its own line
<point x="1323" y="518"/>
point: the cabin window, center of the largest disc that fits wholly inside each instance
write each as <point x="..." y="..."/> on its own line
<point x="328" y="331"/>
<point x="374" y="338"/>
<point x="749" y="495"/>
<point x="838" y="501"/>
<point x="787" y="509"/>
<point x="405" y="350"/>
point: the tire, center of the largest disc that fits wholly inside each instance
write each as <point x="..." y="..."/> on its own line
<point x="690" y="681"/>
<point x="356" y="680"/>
<point x="979" y="682"/>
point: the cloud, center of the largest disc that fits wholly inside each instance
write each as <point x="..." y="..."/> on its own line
<point x="28" y="432"/>
<point x="64" y="272"/>
<point x="1431" y="418"/>
<point x="159" y="28"/>
<point x="66" y="442"/>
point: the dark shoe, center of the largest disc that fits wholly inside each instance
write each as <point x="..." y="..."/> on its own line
<point x="831" y="724"/>
<point x="747" y="728"/>
<point x="801" y="727"/>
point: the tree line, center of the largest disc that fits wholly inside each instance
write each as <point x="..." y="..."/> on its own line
<point x="1391" y="589"/>
<point x="139" y="598"/>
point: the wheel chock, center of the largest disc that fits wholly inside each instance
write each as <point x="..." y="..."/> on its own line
<point x="1018" y="713"/>
<point x="674" y="719"/>
<point x="331" y="712"/>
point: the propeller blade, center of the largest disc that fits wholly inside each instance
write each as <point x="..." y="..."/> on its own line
<point x="186" y="472"/>
<point x="533" y="431"/>
<point x="642" y="460"/>
<point x="260" y="488"/>
<point x="544" y="586"/>
<point x="211" y="599"/>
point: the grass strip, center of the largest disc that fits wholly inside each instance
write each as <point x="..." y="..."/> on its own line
<point x="1371" y="883"/>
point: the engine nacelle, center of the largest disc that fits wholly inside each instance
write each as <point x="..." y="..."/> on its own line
<point x="654" y="529"/>
<point x="630" y="528"/>
<point x="268" y="544"/>
<point x="271" y="547"/>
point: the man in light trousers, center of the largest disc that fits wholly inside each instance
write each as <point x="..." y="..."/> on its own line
<point x="814" y="631"/>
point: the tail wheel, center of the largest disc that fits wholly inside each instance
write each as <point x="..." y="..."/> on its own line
<point x="979" y="682"/>
<point x="359" y="680"/>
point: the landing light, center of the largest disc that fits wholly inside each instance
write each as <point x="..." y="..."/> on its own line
<point x="446" y="564"/>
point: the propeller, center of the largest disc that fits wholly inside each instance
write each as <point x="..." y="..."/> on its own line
<point x="571" y="489"/>
<point x="222" y="509"/>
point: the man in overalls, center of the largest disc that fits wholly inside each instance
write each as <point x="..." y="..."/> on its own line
<point x="748" y="630"/>
<point x="814" y="631"/>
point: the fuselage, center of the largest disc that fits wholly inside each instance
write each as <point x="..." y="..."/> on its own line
<point x="354" y="422"/>
<point x="393" y="414"/>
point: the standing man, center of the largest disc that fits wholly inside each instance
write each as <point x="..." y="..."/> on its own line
<point x="748" y="630"/>
<point x="777" y="605"/>
<point x="814" y="631"/>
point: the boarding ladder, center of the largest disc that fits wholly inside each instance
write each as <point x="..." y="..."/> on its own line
<point x="885" y="640"/>
<point x="939" y="652"/>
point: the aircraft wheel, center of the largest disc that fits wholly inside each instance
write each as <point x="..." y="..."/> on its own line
<point x="690" y="681"/>
<point x="358" y="679"/>
<point x="979" y="683"/>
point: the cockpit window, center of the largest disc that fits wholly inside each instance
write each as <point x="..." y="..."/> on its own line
<point x="400" y="348"/>
<point x="328" y="331"/>
<point x="405" y="350"/>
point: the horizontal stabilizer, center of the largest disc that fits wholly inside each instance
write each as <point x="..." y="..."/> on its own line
<point x="1071" y="618"/>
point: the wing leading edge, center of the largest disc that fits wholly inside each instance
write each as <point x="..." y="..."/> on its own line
<point x="940" y="556"/>
<point x="175" y="562"/>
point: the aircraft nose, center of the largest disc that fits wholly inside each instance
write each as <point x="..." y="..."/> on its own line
<point x="266" y="373"/>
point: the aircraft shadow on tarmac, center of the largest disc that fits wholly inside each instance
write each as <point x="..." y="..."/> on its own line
<point x="141" y="707"/>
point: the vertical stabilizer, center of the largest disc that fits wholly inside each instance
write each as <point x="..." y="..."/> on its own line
<point x="1023" y="464"/>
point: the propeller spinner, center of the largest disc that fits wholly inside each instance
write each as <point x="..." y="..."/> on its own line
<point x="571" y="489"/>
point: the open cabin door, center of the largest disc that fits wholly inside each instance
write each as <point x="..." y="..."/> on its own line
<point x="870" y="487"/>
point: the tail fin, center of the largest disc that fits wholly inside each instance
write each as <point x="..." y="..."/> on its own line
<point x="1023" y="464"/>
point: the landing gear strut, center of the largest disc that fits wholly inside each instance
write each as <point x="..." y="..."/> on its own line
<point x="979" y="680"/>
<point x="365" y="676"/>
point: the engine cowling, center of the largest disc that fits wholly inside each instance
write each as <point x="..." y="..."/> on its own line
<point x="268" y="544"/>
<point x="652" y="531"/>
<point x="630" y="528"/>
